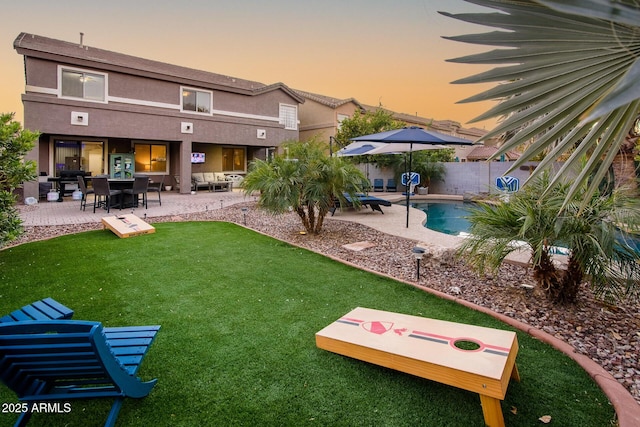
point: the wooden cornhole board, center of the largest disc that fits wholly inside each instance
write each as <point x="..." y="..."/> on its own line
<point x="127" y="225"/>
<point x="427" y="348"/>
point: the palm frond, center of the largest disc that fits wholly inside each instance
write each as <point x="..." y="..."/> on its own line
<point x="569" y="73"/>
<point x="622" y="12"/>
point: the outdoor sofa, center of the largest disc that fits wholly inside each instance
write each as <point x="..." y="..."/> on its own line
<point x="213" y="181"/>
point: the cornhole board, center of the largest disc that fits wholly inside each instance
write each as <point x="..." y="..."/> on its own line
<point x="127" y="225"/>
<point x="430" y="349"/>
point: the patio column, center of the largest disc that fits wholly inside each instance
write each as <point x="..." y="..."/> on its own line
<point x="185" y="165"/>
<point x="30" y="188"/>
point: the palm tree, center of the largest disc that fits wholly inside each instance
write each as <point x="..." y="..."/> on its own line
<point x="305" y="180"/>
<point x="573" y="83"/>
<point x="533" y="218"/>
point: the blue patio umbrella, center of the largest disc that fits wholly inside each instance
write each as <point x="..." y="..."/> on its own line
<point x="412" y="135"/>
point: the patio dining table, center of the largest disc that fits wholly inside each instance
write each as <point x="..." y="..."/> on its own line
<point x="122" y="184"/>
<point x="119" y="184"/>
<point x="114" y="183"/>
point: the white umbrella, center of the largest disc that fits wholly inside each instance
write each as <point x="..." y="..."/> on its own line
<point x="359" y="148"/>
<point x="399" y="148"/>
<point x="362" y="148"/>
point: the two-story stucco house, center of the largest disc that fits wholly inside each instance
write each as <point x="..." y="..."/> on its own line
<point x="89" y="103"/>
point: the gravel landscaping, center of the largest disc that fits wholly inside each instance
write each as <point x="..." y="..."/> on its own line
<point x="609" y="335"/>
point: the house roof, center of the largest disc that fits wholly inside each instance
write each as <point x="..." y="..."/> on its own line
<point x="327" y="100"/>
<point x="445" y="126"/>
<point x="407" y="118"/>
<point x="483" y="152"/>
<point x="82" y="55"/>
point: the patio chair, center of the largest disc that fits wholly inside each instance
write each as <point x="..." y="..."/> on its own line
<point x="85" y="191"/>
<point x="43" y="189"/>
<point x="391" y="185"/>
<point x="140" y="188"/>
<point x="104" y="195"/>
<point x="378" y="185"/>
<point x="156" y="187"/>
<point x="63" y="360"/>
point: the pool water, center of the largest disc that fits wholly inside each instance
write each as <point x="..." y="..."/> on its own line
<point x="450" y="218"/>
<point x="446" y="217"/>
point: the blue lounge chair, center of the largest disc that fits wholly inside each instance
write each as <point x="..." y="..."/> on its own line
<point x="45" y="309"/>
<point x="374" y="203"/>
<point x="63" y="360"/>
<point x="391" y="185"/>
<point x="378" y="184"/>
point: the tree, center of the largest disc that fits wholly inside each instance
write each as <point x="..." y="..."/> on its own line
<point x="424" y="161"/>
<point x="366" y="124"/>
<point x="595" y="237"/>
<point x="306" y="180"/>
<point x="15" y="143"/>
<point x="572" y="83"/>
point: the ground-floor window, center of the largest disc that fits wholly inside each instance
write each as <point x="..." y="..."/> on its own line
<point x="78" y="155"/>
<point x="151" y="157"/>
<point x="233" y="159"/>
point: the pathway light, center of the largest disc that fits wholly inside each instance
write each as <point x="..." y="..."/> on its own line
<point x="418" y="253"/>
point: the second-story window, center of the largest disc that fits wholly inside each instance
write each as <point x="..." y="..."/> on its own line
<point x="289" y="116"/>
<point x="82" y="84"/>
<point x="341" y="118"/>
<point x="197" y="101"/>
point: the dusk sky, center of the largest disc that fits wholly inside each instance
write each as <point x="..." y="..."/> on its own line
<point x="377" y="51"/>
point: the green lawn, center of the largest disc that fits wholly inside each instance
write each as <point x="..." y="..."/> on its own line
<point x="239" y="312"/>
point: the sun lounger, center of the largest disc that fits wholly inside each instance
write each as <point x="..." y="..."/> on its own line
<point x="374" y="203"/>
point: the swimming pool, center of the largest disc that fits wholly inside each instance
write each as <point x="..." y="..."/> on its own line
<point x="446" y="217"/>
<point x="450" y="218"/>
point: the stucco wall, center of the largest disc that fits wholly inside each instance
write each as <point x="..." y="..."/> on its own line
<point x="475" y="177"/>
<point x="463" y="177"/>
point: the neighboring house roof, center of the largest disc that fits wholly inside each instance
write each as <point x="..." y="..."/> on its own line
<point x="73" y="53"/>
<point x="483" y="152"/>
<point x="445" y="126"/>
<point x="327" y="100"/>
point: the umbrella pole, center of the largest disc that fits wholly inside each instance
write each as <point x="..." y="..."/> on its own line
<point x="406" y="179"/>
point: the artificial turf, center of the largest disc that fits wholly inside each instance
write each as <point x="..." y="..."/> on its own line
<point x="239" y="311"/>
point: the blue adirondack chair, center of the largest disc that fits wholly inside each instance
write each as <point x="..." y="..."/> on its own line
<point x="391" y="185"/>
<point x="45" y="309"/>
<point x="63" y="360"/>
<point x="378" y="184"/>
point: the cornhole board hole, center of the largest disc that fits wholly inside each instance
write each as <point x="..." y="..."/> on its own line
<point x="127" y="225"/>
<point x="474" y="358"/>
